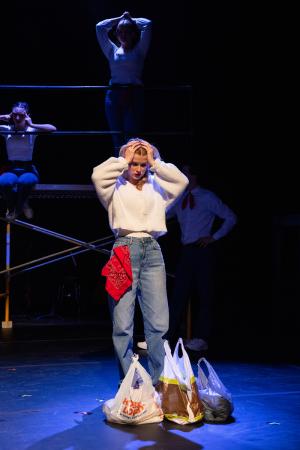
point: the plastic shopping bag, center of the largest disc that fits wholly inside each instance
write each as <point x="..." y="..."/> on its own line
<point x="177" y="387"/>
<point x="136" y="401"/>
<point x="215" y="397"/>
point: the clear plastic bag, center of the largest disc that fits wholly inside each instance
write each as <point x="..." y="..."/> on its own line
<point x="178" y="389"/>
<point x="217" y="400"/>
<point x="136" y="401"/>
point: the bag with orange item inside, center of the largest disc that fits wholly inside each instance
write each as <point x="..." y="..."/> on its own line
<point x="136" y="401"/>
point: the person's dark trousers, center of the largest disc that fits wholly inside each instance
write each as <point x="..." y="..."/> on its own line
<point x="194" y="275"/>
<point x="26" y="183"/>
<point x="8" y="187"/>
<point x="124" y="109"/>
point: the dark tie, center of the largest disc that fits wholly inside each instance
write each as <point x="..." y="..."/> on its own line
<point x="189" y="199"/>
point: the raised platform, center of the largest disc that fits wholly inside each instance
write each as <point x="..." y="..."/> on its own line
<point x="63" y="191"/>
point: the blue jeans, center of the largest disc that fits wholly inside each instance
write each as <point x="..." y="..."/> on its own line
<point x="16" y="187"/>
<point x="149" y="276"/>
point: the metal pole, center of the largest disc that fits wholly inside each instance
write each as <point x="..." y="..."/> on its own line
<point x="52" y="255"/>
<point x="7" y="323"/>
<point x="54" y="234"/>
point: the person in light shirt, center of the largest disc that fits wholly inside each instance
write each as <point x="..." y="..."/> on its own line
<point x="136" y="189"/>
<point x="196" y="212"/>
<point x="18" y="175"/>
<point x="124" y="103"/>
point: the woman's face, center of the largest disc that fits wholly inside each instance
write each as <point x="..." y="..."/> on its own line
<point x="18" y="116"/>
<point x="125" y="35"/>
<point x="137" y="168"/>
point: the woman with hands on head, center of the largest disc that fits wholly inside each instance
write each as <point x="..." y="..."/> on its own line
<point x="136" y="189"/>
<point x="124" y="104"/>
<point x="18" y="176"/>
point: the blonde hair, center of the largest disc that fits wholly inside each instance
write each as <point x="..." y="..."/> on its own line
<point x="123" y="149"/>
<point x="139" y="151"/>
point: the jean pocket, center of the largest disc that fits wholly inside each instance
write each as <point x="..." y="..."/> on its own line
<point x="121" y="241"/>
<point x="155" y="245"/>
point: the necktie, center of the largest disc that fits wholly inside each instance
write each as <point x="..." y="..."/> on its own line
<point x="189" y="199"/>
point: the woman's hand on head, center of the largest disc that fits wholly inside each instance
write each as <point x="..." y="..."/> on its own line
<point x="150" y="152"/>
<point x="130" y="150"/>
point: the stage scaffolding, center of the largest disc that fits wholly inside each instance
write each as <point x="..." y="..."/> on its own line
<point x="66" y="191"/>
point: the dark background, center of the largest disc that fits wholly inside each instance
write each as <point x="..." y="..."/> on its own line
<point x="54" y="43"/>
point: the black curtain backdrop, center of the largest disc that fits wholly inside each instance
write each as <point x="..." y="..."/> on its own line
<point x="200" y="45"/>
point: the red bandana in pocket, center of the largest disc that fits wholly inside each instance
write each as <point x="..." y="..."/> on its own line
<point x="118" y="272"/>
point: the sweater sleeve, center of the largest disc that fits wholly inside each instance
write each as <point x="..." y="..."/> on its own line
<point x="145" y="27"/>
<point x="104" y="178"/>
<point x="102" y="29"/>
<point x="4" y="128"/>
<point x="170" y="179"/>
<point x="220" y="209"/>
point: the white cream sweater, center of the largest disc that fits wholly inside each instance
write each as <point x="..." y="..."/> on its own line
<point x="131" y="210"/>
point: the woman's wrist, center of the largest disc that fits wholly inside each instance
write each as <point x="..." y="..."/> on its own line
<point x="153" y="165"/>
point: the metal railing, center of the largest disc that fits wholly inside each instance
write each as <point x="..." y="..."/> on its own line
<point x="81" y="246"/>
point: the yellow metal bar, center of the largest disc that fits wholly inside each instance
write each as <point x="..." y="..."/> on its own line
<point x="7" y="323"/>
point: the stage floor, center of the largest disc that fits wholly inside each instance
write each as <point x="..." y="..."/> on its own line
<point x="53" y="387"/>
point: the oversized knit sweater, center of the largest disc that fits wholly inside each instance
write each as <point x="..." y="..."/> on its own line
<point x="125" y="67"/>
<point x="132" y="210"/>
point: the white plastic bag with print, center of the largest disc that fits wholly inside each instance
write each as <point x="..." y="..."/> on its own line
<point x="177" y="387"/>
<point x="136" y="401"/>
<point x="215" y="397"/>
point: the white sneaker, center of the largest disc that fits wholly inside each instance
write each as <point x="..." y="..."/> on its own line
<point x="143" y="345"/>
<point x="27" y="211"/>
<point x="197" y="345"/>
